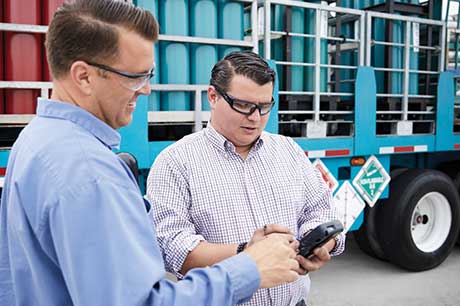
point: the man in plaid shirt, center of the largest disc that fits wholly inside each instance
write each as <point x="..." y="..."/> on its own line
<point x="211" y="190"/>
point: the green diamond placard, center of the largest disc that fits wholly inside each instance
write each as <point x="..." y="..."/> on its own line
<point x="371" y="180"/>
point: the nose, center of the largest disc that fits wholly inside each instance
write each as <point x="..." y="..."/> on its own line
<point x="145" y="90"/>
<point x="255" y="116"/>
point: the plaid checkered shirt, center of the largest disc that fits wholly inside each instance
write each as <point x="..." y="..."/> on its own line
<point x="201" y="189"/>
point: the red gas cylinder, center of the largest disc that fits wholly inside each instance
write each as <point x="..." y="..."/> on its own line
<point x="23" y="58"/>
<point x="49" y="7"/>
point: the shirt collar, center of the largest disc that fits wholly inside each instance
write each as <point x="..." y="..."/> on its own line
<point x="60" y="110"/>
<point x="223" y="145"/>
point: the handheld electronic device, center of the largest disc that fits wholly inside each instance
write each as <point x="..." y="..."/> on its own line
<point x="319" y="236"/>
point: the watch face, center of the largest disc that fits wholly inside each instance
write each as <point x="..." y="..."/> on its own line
<point x="241" y="247"/>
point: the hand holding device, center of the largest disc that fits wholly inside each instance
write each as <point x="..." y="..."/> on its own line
<point x="319" y="236"/>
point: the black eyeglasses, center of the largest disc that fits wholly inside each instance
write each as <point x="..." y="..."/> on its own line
<point x="135" y="81"/>
<point x="245" y="107"/>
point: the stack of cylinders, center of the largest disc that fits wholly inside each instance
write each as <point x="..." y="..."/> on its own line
<point x="175" y="64"/>
<point x="49" y="7"/>
<point x="310" y="28"/>
<point x="203" y="20"/>
<point x="2" y="75"/>
<point x="154" y="97"/>
<point x="231" y="24"/>
<point x="23" y="56"/>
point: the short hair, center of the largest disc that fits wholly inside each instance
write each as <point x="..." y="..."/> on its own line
<point x="245" y="63"/>
<point x="87" y="30"/>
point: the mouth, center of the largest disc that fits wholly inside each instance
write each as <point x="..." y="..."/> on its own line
<point x="249" y="129"/>
<point x="132" y="104"/>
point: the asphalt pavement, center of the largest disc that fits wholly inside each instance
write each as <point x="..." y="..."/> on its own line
<point x="356" y="279"/>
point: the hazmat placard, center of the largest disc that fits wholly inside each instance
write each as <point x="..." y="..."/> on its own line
<point x="371" y="180"/>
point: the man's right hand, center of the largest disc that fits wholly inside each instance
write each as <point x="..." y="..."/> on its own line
<point x="275" y="257"/>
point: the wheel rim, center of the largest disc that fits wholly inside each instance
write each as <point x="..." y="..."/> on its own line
<point x="431" y="221"/>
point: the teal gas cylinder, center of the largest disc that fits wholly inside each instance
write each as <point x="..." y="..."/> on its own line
<point x="154" y="98"/>
<point x="175" y="61"/>
<point x="203" y="23"/>
<point x="231" y="24"/>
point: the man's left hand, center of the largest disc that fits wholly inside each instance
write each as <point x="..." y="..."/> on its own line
<point x="320" y="258"/>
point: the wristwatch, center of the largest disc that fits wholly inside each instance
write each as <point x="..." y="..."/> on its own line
<point x="241" y="247"/>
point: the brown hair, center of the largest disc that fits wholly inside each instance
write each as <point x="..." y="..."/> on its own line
<point x="245" y="63"/>
<point x="87" y="30"/>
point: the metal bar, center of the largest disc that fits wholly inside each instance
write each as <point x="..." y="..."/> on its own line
<point x="338" y="66"/>
<point x="293" y="34"/>
<point x="425" y="47"/>
<point x="15" y="119"/>
<point x="294" y="112"/>
<point x="368" y="39"/>
<point x="23" y="28"/>
<point x="319" y="7"/>
<point x="198" y="117"/>
<point x="311" y="93"/>
<point x="205" y="40"/>
<point x="344" y="47"/>
<point x="405" y="18"/>
<point x="388" y="69"/>
<point x="362" y="29"/>
<point x="26" y="85"/>
<point x="294" y="64"/>
<point x="343" y="81"/>
<point x="44" y="93"/>
<point x="177" y="87"/>
<point x="267" y="20"/>
<point x="384" y="95"/>
<point x="255" y="27"/>
<point x="317" y="100"/>
<point x="410" y="112"/>
<point x="385" y="43"/>
<point x="424" y="72"/>
<point x="175" y="116"/>
<point x="405" y="101"/>
<point x="288" y="92"/>
<point x="333" y="38"/>
<point x="422" y="96"/>
<point x="332" y="94"/>
<point x="443" y="43"/>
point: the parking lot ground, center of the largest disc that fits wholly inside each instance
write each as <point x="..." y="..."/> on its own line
<point x="356" y="279"/>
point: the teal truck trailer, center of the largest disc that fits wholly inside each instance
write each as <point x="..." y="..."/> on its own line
<point x="368" y="89"/>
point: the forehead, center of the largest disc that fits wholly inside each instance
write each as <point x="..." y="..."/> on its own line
<point x="135" y="53"/>
<point x="244" y="88"/>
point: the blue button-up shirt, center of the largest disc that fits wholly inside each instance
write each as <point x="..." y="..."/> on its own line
<point x="74" y="231"/>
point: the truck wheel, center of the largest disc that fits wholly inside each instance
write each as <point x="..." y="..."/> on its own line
<point x="366" y="235"/>
<point x="421" y="219"/>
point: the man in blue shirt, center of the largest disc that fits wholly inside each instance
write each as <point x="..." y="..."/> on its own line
<point x="73" y="226"/>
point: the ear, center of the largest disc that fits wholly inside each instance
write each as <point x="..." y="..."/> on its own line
<point x="212" y="96"/>
<point x="82" y="76"/>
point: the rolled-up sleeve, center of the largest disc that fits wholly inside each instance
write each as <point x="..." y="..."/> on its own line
<point x="168" y="192"/>
<point x="318" y="207"/>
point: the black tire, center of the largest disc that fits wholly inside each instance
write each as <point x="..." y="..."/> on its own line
<point x="396" y="227"/>
<point x="366" y="236"/>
